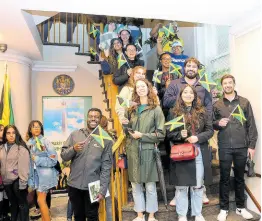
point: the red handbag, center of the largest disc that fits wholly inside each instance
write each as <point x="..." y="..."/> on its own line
<point x="185" y="151"/>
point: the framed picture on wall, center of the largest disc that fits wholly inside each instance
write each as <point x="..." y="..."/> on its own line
<point x="63" y="115"/>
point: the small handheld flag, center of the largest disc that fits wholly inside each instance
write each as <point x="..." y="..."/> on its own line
<point x="156" y="76"/>
<point x="123" y="102"/>
<point x="238" y="114"/>
<point x="175" y="69"/>
<point x="38" y="144"/>
<point x="101" y="136"/>
<point x="205" y="81"/>
<point x="176" y="122"/>
<point x="93" y="31"/>
<point x="168" y="31"/>
<point x="121" y="60"/>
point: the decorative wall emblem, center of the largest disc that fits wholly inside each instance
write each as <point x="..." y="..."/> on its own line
<point x="63" y="84"/>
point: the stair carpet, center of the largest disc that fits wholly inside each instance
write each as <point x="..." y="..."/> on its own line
<point x="209" y="211"/>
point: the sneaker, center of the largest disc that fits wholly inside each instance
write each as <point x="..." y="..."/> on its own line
<point x="35" y="213"/>
<point x="205" y="200"/>
<point x="172" y="202"/>
<point x="139" y="219"/>
<point x="222" y="216"/>
<point x="244" y="213"/>
<point x="182" y="218"/>
<point x="199" y="218"/>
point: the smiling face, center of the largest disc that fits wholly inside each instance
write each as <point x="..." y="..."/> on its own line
<point x="93" y="119"/>
<point x="141" y="88"/>
<point x="166" y="60"/>
<point x="117" y="45"/>
<point x="139" y="74"/>
<point x="177" y="50"/>
<point x="191" y="69"/>
<point x="124" y="35"/>
<point x="228" y="86"/>
<point x="131" y="52"/>
<point x="188" y="96"/>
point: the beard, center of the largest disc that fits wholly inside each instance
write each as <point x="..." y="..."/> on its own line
<point x="191" y="76"/>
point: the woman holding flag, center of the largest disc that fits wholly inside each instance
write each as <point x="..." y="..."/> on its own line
<point x="197" y="129"/>
<point x="43" y="175"/>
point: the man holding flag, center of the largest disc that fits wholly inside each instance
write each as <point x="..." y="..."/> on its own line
<point x="90" y="152"/>
<point x="234" y="119"/>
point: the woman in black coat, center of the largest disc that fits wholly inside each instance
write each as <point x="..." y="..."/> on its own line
<point x="190" y="173"/>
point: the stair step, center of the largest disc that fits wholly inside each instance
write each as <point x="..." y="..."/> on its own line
<point x="83" y="53"/>
<point x="165" y="214"/>
<point x="232" y="216"/>
<point x="63" y="44"/>
<point x="94" y="62"/>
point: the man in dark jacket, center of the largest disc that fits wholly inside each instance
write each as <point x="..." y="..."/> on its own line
<point x="236" y="140"/>
<point x="191" y="67"/>
<point x="91" y="161"/>
<point x="122" y="74"/>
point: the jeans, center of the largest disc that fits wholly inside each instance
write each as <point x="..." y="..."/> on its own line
<point x="18" y="199"/>
<point x="82" y="206"/>
<point x="196" y="192"/>
<point x="239" y="157"/>
<point x="151" y="204"/>
<point x="69" y="212"/>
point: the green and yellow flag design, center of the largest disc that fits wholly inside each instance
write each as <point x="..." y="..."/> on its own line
<point x="93" y="31"/>
<point x="156" y="76"/>
<point x="38" y="144"/>
<point x="92" y="51"/>
<point x="175" y="69"/>
<point x="101" y="136"/>
<point x="6" y="109"/>
<point x="121" y="60"/>
<point x="168" y="31"/>
<point x="205" y="81"/>
<point x="239" y="114"/>
<point x="123" y="102"/>
<point x="176" y="122"/>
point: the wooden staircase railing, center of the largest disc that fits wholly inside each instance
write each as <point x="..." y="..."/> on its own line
<point x="119" y="181"/>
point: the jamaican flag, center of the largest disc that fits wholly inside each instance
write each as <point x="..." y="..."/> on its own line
<point x="205" y="81"/>
<point x="176" y="122"/>
<point x="168" y="31"/>
<point x="101" y="136"/>
<point x="175" y="69"/>
<point x="238" y="114"/>
<point x="121" y="60"/>
<point x="156" y="76"/>
<point x="93" y="31"/>
<point x="6" y="109"/>
<point x="38" y="144"/>
<point x="123" y="101"/>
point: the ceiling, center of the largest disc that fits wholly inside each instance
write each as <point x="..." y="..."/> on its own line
<point x="18" y="29"/>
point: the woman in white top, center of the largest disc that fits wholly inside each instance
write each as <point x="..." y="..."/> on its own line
<point x="138" y="72"/>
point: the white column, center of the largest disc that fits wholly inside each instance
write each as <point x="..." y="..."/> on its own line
<point x="19" y="70"/>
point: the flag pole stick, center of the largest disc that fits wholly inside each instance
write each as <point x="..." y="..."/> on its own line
<point x="232" y="111"/>
<point x="126" y="60"/>
<point x="91" y="133"/>
<point x="6" y="67"/>
<point x="184" y="122"/>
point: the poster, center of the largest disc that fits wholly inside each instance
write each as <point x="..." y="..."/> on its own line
<point x="63" y="115"/>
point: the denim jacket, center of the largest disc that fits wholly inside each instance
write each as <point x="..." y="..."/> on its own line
<point x="43" y="175"/>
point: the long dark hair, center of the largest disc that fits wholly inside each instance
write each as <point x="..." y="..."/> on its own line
<point x="18" y="139"/>
<point x="197" y="109"/>
<point x="31" y="124"/>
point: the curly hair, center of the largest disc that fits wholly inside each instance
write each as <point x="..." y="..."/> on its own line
<point x="131" y="80"/>
<point x="197" y="109"/>
<point x="152" y="97"/>
<point x="112" y="59"/>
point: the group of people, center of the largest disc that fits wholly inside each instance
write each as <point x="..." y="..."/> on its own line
<point x="26" y="167"/>
<point x="176" y="95"/>
<point x="89" y="149"/>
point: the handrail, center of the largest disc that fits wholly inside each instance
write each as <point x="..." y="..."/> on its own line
<point x="253" y="198"/>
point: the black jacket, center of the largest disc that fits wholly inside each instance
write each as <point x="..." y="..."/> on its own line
<point x="120" y="77"/>
<point x="183" y="173"/>
<point x="235" y="135"/>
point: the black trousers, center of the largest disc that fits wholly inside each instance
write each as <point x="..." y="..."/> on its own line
<point x="82" y="206"/>
<point x="239" y="158"/>
<point x="18" y="200"/>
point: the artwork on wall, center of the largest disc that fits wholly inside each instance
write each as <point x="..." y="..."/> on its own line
<point x="63" y="115"/>
<point x="63" y="84"/>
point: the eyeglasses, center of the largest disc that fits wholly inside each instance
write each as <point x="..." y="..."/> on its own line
<point x="166" y="59"/>
<point x="36" y="127"/>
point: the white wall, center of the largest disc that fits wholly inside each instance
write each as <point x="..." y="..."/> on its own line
<point x="246" y="67"/>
